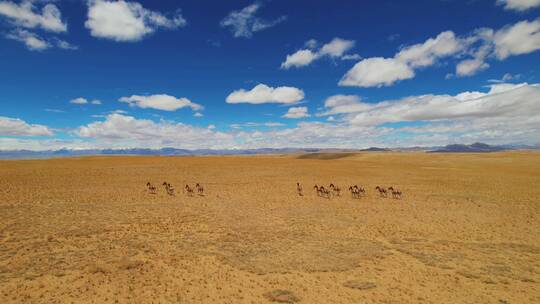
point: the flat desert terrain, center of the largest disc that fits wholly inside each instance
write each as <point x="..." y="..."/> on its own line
<point x="85" y="230"/>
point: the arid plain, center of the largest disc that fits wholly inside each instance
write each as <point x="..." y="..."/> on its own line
<point x="85" y="230"/>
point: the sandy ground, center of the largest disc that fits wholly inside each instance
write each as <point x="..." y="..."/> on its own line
<point x="84" y="230"/>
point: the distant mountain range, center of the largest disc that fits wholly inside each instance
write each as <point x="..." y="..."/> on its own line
<point x="473" y="148"/>
<point x="455" y="148"/>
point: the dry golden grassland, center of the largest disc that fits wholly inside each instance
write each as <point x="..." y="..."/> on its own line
<point x="85" y="230"/>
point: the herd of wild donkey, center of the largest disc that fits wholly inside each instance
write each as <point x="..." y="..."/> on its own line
<point x="332" y="190"/>
<point x="356" y="191"/>
<point x="169" y="189"/>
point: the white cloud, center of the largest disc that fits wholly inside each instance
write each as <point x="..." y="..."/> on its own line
<point x="32" y="41"/>
<point x="376" y="72"/>
<point x="333" y="49"/>
<point x="483" y="44"/>
<point x="244" y="22"/>
<point x="198" y="114"/>
<point x="506" y="78"/>
<point x="17" y="127"/>
<point x="470" y="66"/>
<point x="127" y="21"/>
<point x="427" y="53"/>
<point x="122" y="131"/>
<point x="311" y="44"/>
<point x="82" y="100"/>
<point x="476" y="64"/>
<point x="256" y="124"/>
<point x="262" y="93"/>
<point x="79" y="100"/>
<point x="507" y="101"/>
<point x="36" y="43"/>
<point x="297" y="112"/>
<point x="520" y="38"/>
<point x="65" y="45"/>
<point x="337" y="47"/>
<point x="160" y="102"/>
<point x="351" y="57"/>
<point x="26" y="15"/>
<point x="341" y="104"/>
<point x="506" y="113"/>
<point x="299" y="59"/>
<point x="518" y="5"/>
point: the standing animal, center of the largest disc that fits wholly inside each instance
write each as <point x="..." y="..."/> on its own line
<point x="382" y="191"/>
<point x="325" y="192"/>
<point x="200" y="189"/>
<point x="395" y="193"/>
<point x="360" y="190"/>
<point x="169" y="188"/>
<point x="317" y="190"/>
<point x="151" y="188"/>
<point x="354" y="192"/>
<point x="188" y="190"/>
<point x="335" y="189"/>
<point x="299" y="189"/>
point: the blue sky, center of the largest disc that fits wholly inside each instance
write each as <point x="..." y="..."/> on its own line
<point x="245" y="74"/>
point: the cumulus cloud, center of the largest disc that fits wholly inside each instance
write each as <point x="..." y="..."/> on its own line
<point x="244" y="22"/>
<point x="127" y="21"/>
<point x="341" y="104"/>
<point x="122" y="131"/>
<point x="505" y="113"/>
<point x="510" y="101"/>
<point x="470" y="67"/>
<point x="27" y="15"/>
<point x="426" y="53"/>
<point x="377" y="72"/>
<point x="17" y="127"/>
<point x="79" y="100"/>
<point x="477" y="47"/>
<point x="262" y="93"/>
<point x="297" y="112"/>
<point x="337" y="47"/>
<point x="333" y="49"/>
<point x="299" y="59"/>
<point x="520" y="38"/>
<point x="518" y="5"/>
<point x="162" y="102"/>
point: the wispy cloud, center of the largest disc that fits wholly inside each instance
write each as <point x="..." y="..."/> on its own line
<point x="244" y="22"/>
<point x="27" y="15"/>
